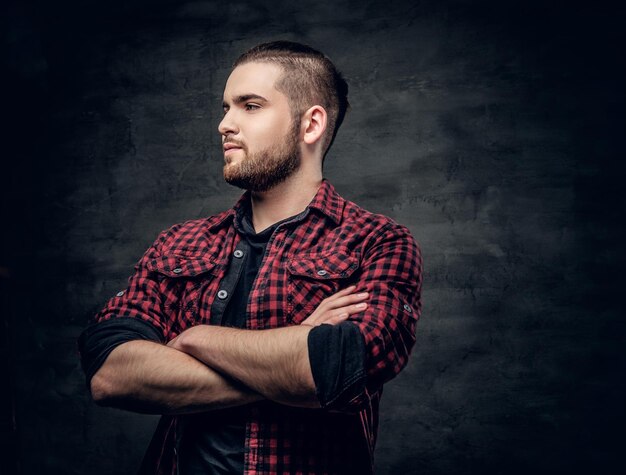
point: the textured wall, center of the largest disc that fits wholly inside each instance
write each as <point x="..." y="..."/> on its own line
<point x="490" y="129"/>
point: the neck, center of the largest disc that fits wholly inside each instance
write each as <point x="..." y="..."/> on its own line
<point x="287" y="199"/>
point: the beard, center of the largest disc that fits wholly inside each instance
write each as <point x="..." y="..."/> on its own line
<point x="263" y="170"/>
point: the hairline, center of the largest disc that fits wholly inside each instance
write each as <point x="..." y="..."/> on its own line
<point x="296" y="110"/>
<point x="308" y="78"/>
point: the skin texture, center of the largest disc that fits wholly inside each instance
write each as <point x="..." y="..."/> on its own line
<point x="208" y="367"/>
<point x="148" y="377"/>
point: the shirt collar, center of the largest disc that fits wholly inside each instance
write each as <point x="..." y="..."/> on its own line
<point x="326" y="200"/>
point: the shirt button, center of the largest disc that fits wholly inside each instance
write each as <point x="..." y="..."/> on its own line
<point x="120" y="293"/>
<point x="178" y="270"/>
<point x="408" y="308"/>
<point x="322" y="272"/>
<point x="222" y="294"/>
<point x="238" y="254"/>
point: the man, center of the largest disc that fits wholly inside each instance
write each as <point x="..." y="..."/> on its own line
<point x="265" y="333"/>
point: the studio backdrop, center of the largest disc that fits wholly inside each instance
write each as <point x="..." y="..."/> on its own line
<point x="492" y="130"/>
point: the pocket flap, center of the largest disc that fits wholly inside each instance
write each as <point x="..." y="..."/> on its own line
<point x="333" y="266"/>
<point x="178" y="266"/>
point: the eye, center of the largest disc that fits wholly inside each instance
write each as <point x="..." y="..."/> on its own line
<point x="251" y="107"/>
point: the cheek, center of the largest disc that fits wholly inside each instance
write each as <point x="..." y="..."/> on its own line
<point x="271" y="128"/>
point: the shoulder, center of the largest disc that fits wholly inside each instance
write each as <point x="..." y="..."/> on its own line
<point x="374" y="225"/>
<point x="192" y="236"/>
<point x="387" y="248"/>
<point x="380" y="238"/>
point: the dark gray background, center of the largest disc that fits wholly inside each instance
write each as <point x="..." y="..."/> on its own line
<point x="493" y="130"/>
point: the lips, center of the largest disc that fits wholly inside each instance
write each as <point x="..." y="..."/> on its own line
<point x="230" y="146"/>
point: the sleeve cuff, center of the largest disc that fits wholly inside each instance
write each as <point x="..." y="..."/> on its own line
<point x="337" y="357"/>
<point x="98" y="340"/>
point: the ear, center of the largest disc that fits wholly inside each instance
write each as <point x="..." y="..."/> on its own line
<point x="314" y="124"/>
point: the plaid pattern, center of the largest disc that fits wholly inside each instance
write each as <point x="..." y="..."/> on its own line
<point x="330" y="246"/>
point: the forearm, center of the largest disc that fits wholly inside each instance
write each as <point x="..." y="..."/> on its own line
<point x="274" y="363"/>
<point x="144" y="376"/>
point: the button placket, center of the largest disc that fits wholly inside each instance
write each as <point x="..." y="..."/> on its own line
<point x="228" y="284"/>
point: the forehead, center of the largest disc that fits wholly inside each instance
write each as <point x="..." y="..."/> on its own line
<point x="253" y="78"/>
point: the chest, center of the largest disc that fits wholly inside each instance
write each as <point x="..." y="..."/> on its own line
<point x="295" y="274"/>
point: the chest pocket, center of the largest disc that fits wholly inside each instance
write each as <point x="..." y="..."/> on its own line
<point x="311" y="279"/>
<point x="182" y="283"/>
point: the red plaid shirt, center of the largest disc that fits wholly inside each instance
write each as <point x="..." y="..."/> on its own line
<point x="330" y="246"/>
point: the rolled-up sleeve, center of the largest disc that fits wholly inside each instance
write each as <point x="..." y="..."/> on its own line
<point x="337" y="357"/>
<point x="391" y="271"/>
<point x="100" y="339"/>
<point x="134" y="313"/>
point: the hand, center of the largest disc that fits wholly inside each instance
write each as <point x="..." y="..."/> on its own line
<point x="338" y="307"/>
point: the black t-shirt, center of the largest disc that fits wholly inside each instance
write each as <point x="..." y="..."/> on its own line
<point x="213" y="442"/>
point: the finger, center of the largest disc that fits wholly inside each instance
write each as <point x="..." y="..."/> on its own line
<point x="341" y="299"/>
<point x="356" y="308"/>
<point x="339" y="318"/>
<point x="344" y="314"/>
<point x="340" y="313"/>
<point x="329" y="319"/>
<point x="352" y="309"/>
<point x="347" y="300"/>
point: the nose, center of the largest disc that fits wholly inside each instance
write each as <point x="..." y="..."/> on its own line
<point x="227" y="126"/>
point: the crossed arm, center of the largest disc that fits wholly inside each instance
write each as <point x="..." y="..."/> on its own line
<point x="208" y="367"/>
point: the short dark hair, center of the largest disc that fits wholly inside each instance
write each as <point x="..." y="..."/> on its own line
<point x="309" y="78"/>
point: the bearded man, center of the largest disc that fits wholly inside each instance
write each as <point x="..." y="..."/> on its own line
<point x="264" y="334"/>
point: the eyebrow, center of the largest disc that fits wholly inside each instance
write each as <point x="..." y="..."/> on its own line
<point x="245" y="98"/>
